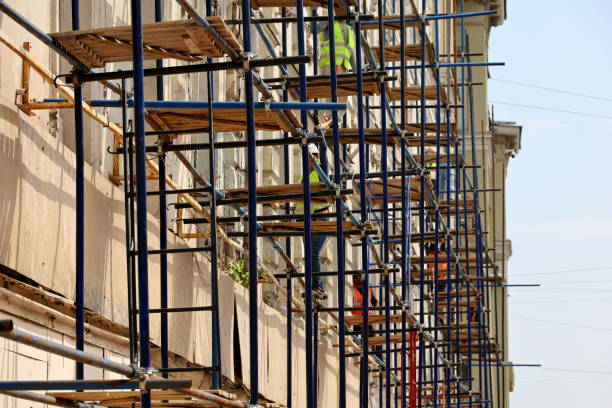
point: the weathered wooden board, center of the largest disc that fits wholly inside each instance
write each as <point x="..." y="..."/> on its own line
<point x="269" y="194"/>
<point x="315" y="226"/>
<point x="224" y="120"/>
<point x="184" y="40"/>
<point x="395" y="25"/>
<point x="321" y="87"/>
<point x="257" y="4"/>
<point x="413" y="93"/>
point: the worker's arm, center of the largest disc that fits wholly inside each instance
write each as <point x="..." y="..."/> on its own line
<point x="352" y="59"/>
<point x="353" y="62"/>
<point x="320" y="27"/>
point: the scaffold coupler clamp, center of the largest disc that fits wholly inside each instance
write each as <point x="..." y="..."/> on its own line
<point x="380" y="76"/>
<point x="246" y="58"/>
<point x="266" y="102"/>
<point x="144" y="375"/>
<point x="363" y="231"/>
<point x="160" y="143"/>
<point x="303" y="134"/>
<point x="356" y="16"/>
<point x="386" y="268"/>
<point x="422" y="171"/>
<point x="338" y="191"/>
<point x="284" y="82"/>
<point x="74" y="78"/>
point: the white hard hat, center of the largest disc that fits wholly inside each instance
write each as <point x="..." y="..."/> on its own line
<point x="312" y="149"/>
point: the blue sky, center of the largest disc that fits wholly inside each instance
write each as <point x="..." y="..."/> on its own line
<point x="559" y="198"/>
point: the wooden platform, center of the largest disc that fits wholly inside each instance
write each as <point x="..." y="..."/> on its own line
<point x="374" y="190"/>
<point x="120" y="399"/>
<point x="224" y="120"/>
<point x="453" y="203"/>
<point x="392" y="140"/>
<point x="125" y="399"/>
<point x="393" y="26"/>
<point x="413" y="93"/>
<point x="257" y="4"/>
<point x="393" y="53"/>
<point x="381" y="340"/>
<point x="316" y="226"/>
<point x="270" y="194"/>
<point x="184" y="40"/>
<point x="351" y="320"/>
<point x="321" y="87"/>
<point x="430" y="128"/>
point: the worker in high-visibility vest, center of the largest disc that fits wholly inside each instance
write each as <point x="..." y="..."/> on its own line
<point x="444" y="178"/>
<point x="442" y="270"/>
<point x="358" y="297"/>
<point x="344" y="42"/>
<point x="357" y="302"/>
<point x="317" y="241"/>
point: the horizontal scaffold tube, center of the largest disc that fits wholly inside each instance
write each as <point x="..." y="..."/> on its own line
<point x="234" y="144"/>
<point x="47" y="399"/>
<point x="81" y="385"/>
<point x="433" y="17"/>
<point x="111" y="103"/>
<point x="307" y="19"/>
<point x="451" y="65"/>
<point x="187" y="69"/>
<point x="8" y="331"/>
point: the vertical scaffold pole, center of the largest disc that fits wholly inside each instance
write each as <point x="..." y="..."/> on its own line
<point x="288" y="240"/>
<point x="339" y="214"/>
<point x="482" y="350"/>
<point x="163" y="220"/>
<point x="437" y="215"/>
<point x="448" y="249"/>
<point x="363" y="383"/>
<point x="465" y="217"/>
<point x="384" y="208"/>
<point x="423" y="118"/>
<point x="252" y="206"/>
<point x="404" y="210"/>
<point x="217" y="373"/>
<point x="80" y="208"/>
<point x="141" y="192"/>
<point x="307" y="206"/>
<point x="128" y="181"/>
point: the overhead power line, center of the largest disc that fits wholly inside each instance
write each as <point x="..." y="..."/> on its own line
<point x="557" y="379"/>
<point x="576" y="370"/>
<point x="553" y="90"/>
<point x="562" y="323"/>
<point x="601" y="268"/>
<point x="546" y="108"/>
<point x="563" y="301"/>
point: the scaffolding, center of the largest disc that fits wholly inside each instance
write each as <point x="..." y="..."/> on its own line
<point x="417" y="233"/>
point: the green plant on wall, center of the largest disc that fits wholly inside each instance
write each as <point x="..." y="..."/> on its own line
<point x="237" y="271"/>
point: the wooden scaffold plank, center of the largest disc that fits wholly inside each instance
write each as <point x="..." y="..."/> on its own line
<point x="184" y="40"/>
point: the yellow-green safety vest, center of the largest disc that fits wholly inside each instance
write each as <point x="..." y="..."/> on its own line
<point x="343" y="50"/>
<point x="314" y="178"/>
